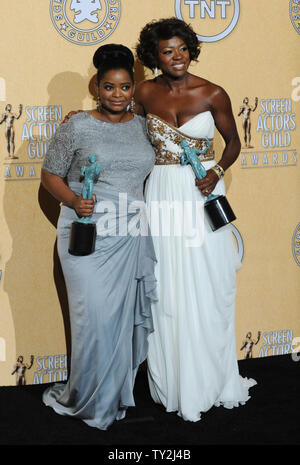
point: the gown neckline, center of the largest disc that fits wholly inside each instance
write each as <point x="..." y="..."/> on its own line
<point x="178" y="129"/>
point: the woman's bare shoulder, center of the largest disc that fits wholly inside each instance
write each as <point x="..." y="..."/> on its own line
<point x="144" y="92"/>
<point x="210" y="89"/>
<point x="145" y="87"/>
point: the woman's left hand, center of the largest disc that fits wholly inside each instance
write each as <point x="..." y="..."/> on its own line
<point x="207" y="184"/>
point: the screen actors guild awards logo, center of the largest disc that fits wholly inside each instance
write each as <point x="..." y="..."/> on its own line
<point x="295" y="14"/>
<point x="248" y="344"/>
<point x="246" y="110"/>
<point x="20" y="369"/>
<point x="85" y="22"/>
<point x="9" y="117"/>
<point x="214" y="18"/>
<point x="86" y="10"/>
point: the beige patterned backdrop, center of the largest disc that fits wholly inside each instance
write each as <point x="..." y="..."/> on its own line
<point x="251" y="48"/>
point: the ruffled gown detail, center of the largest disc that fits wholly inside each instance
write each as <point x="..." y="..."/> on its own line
<point x="110" y="294"/>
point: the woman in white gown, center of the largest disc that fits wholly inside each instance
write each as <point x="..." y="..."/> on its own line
<point x="192" y="361"/>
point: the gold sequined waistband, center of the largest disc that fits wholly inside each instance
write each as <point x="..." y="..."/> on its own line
<point x="168" y="158"/>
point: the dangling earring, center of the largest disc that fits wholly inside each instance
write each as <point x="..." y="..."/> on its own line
<point x="132" y="105"/>
<point x="98" y="103"/>
<point x="156" y="72"/>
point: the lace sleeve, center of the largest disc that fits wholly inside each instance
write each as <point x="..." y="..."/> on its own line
<point x="61" y="150"/>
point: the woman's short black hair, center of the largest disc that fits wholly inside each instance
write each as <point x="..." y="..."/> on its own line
<point x="113" y="56"/>
<point x="164" y="29"/>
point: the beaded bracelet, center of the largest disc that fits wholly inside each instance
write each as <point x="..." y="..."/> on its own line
<point x="218" y="170"/>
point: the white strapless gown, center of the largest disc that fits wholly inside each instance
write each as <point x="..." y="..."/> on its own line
<point x="192" y="362"/>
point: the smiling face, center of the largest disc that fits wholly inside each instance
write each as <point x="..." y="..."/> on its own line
<point x="116" y="90"/>
<point x="173" y="57"/>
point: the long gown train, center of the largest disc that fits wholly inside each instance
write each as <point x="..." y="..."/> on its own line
<point x="110" y="294"/>
<point x="192" y="362"/>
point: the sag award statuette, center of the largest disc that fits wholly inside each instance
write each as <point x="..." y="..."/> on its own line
<point x="83" y="231"/>
<point x="217" y="208"/>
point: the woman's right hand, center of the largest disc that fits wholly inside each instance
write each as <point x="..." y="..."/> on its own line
<point x="68" y="116"/>
<point x="84" y="207"/>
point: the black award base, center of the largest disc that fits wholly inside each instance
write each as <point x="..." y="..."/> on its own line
<point x="82" y="238"/>
<point x="219" y="212"/>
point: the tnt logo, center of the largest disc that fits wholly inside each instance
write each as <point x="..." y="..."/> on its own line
<point x="214" y="19"/>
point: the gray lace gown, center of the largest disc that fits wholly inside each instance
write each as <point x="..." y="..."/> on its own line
<point x="109" y="291"/>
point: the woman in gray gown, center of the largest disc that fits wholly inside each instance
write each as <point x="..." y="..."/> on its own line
<point x="109" y="291"/>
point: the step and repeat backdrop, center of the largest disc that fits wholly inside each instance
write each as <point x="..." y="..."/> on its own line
<point x="250" y="48"/>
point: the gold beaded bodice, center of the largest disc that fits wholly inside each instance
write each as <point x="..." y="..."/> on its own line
<point x="166" y="140"/>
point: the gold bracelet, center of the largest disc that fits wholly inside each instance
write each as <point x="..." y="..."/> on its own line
<point x="218" y="170"/>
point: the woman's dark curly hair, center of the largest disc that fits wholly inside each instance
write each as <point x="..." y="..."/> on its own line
<point x="164" y="29"/>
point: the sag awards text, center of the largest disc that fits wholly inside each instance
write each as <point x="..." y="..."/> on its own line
<point x="50" y="369"/>
<point x="39" y="128"/>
